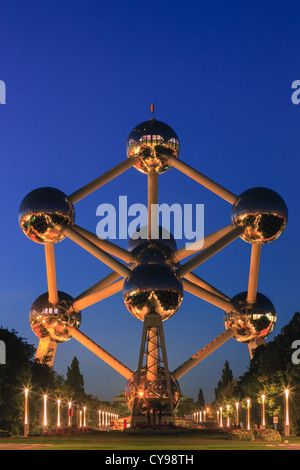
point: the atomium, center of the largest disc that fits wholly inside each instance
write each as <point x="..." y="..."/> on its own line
<point x="250" y="321"/>
<point x="262" y="212"/>
<point x="54" y="320"/>
<point x="151" y="394"/>
<point x="152" y="273"/>
<point x="152" y="143"/>
<point x="44" y="213"/>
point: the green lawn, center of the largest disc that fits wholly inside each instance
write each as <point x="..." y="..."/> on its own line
<point x="112" y="441"/>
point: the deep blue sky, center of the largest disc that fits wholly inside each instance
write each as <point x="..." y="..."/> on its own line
<point x="79" y="76"/>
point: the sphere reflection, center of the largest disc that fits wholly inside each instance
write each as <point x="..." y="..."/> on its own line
<point x="151" y="394"/>
<point x="140" y="238"/>
<point x="44" y="213"/>
<point x="54" y="320"/>
<point x="152" y="286"/>
<point x="251" y="321"/>
<point x="153" y="142"/>
<point x="262" y="212"/>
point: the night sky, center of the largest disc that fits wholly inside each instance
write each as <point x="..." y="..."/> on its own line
<point x="80" y="75"/>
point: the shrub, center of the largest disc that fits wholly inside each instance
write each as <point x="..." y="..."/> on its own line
<point x="269" y="435"/>
<point x="241" y="435"/>
<point x="5" y="433"/>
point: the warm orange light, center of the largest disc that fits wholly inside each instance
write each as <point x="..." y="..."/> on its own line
<point x="45" y="422"/>
<point x="26" y="406"/>
<point x="84" y="416"/>
<point x="287" y="419"/>
<point x="58" y="412"/>
<point x="248" y="414"/>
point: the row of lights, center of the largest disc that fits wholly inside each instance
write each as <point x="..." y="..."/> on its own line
<point x="104" y="416"/>
<point x="200" y="416"/>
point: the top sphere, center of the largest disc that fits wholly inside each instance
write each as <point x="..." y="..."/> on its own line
<point x="153" y="142"/>
<point x="262" y="212"/>
<point x="44" y="213"/>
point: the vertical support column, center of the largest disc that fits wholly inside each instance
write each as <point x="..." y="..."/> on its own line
<point x="46" y="350"/>
<point x="152" y="368"/>
<point x="152" y="205"/>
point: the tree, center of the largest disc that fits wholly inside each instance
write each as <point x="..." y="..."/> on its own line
<point x="75" y="379"/>
<point x="14" y="376"/>
<point x="200" y="400"/>
<point x="224" y="384"/>
<point x="186" y="406"/>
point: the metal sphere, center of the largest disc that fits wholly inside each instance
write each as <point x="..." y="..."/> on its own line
<point x="262" y="212"/>
<point x="152" y="286"/>
<point x="54" y="320"/>
<point x="140" y="239"/>
<point x="153" y="142"/>
<point x="251" y="321"/>
<point x="151" y="394"/>
<point x="44" y="213"/>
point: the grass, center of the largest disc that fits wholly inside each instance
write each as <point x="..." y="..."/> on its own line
<point x="112" y="441"/>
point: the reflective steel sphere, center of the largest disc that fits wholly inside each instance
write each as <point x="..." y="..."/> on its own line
<point x="251" y="321"/>
<point x="54" y="321"/>
<point x="44" y="213"/>
<point x="262" y="212"/>
<point x="153" y="142"/>
<point x="152" y="286"/>
<point x="151" y="395"/>
<point x="140" y="238"/>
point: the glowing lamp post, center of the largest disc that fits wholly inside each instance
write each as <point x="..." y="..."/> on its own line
<point x="248" y="414"/>
<point x="237" y="414"/>
<point x="286" y="417"/>
<point x="26" y="413"/>
<point x="58" y="413"/>
<point x="263" y="413"/>
<point x="84" y="416"/>
<point x="45" y="419"/>
<point x="221" y="417"/>
<point x="228" y="420"/>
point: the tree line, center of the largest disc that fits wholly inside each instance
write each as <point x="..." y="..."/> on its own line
<point x="23" y="371"/>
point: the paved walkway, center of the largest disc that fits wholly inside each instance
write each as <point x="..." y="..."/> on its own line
<point x="22" y="446"/>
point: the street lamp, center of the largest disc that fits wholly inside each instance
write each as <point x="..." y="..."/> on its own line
<point x="45" y="420"/>
<point x="263" y="414"/>
<point x="237" y="414"/>
<point x="248" y="414"/>
<point x="26" y="413"/>
<point x="228" y="421"/>
<point x="58" y="412"/>
<point x="221" y="417"/>
<point x="287" y="418"/>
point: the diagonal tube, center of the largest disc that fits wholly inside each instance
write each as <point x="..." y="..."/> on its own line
<point x="101" y="180"/>
<point x="210" y="251"/>
<point x="94" y="297"/>
<point x="97" y="252"/>
<point x="203" y="180"/>
<point x="106" y="281"/>
<point x="206" y="295"/>
<point x="202" y="354"/>
<point x="201" y="244"/>
<point x="205" y="285"/>
<point x="100" y="352"/>
<point x="105" y="245"/>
